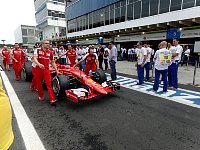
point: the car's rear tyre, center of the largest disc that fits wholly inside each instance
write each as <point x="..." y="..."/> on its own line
<point x="27" y="71"/>
<point x="60" y="83"/>
<point x="99" y="76"/>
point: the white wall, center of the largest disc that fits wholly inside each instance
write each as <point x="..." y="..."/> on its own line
<point x="18" y="35"/>
<point x="161" y="18"/>
<point x="58" y="7"/>
<point x="47" y="31"/>
<point x="59" y="22"/>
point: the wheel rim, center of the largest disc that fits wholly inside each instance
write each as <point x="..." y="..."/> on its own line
<point x="56" y="86"/>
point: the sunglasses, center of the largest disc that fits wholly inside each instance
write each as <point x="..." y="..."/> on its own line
<point x="46" y="43"/>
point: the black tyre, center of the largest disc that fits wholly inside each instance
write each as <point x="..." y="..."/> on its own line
<point x="60" y="83"/>
<point x="99" y="76"/>
<point x="27" y="71"/>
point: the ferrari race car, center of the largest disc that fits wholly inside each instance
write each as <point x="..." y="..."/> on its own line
<point x="75" y="84"/>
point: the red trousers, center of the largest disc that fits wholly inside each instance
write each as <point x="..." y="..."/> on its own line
<point x="33" y="84"/>
<point x="6" y="61"/>
<point x="17" y="66"/>
<point x="44" y="74"/>
<point x="89" y="67"/>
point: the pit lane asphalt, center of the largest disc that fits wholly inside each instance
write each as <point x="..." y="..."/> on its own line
<point x="126" y="119"/>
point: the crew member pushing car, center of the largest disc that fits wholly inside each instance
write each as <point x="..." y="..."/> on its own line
<point x="6" y="58"/>
<point x="43" y="57"/>
<point x="91" y="61"/>
<point x="71" y="55"/>
<point x="17" y="55"/>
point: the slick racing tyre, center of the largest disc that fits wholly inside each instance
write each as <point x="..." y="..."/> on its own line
<point x="27" y="71"/>
<point x="60" y="83"/>
<point x="99" y="76"/>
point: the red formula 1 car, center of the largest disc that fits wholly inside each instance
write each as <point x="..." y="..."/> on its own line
<point x="75" y="84"/>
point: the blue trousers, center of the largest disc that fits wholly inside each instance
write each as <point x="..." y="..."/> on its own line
<point x="173" y="75"/>
<point x="157" y="77"/>
<point x="113" y="70"/>
<point x="140" y="71"/>
<point x="147" y="68"/>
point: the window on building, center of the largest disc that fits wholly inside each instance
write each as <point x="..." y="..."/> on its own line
<point x="154" y="7"/>
<point x="24" y="32"/>
<point x="30" y="32"/>
<point x="90" y="21"/>
<point x="197" y="2"/>
<point x="56" y="14"/>
<point x="123" y="14"/>
<point x="107" y="14"/>
<point x="131" y="1"/>
<point x="175" y="5"/>
<point x="188" y="3"/>
<point x="137" y="9"/>
<point x="123" y="2"/>
<point x="117" y="15"/>
<point x="25" y="40"/>
<point x="145" y="8"/>
<point x="112" y="16"/>
<point x="130" y="12"/>
<point x="49" y="13"/>
<point x="164" y="6"/>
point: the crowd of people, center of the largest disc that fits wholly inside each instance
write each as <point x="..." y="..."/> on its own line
<point x="88" y="59"/>
<point x="167" y="59"/>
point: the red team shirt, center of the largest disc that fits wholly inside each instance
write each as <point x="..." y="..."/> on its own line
<point x="18" y="54"/>
<point x="44" y="57"/>
<point x="6" y="53"/>
<point x="71" y="54"/>
<point x="90" y="59"/>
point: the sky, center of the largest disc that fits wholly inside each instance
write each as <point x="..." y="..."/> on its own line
<point x="14" y="13"/>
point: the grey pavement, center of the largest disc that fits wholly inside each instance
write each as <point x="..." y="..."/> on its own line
<point x="185" y="75"/>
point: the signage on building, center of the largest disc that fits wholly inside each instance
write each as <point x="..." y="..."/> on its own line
<point x="190" y="33"/>
<point x="173" y="33"/>
<point x="144" y="37"/>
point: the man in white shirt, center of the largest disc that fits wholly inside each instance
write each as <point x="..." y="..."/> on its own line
<point x="173" y="68"/>
<point x="141" y="61"/>
<point x="186" y="56"/>
<point x="162" y="60"/>
<point x="147" y="65"/>
<point x="129" y="54"/>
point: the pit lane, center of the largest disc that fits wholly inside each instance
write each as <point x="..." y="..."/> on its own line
<point x="126" y="119"/>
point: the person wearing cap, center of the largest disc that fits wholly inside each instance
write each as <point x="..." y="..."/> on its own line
<point x="6" y="58"/>
<point x="91" y="61"/>
<point x="162" y="60"/>
<point x="42" y="58"/>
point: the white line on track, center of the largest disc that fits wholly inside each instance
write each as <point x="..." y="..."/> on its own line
<point x="29" y="135"/>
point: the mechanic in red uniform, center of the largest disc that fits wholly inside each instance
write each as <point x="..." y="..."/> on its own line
<point x="71" y="55"/>
<point x="43" y="57"/>
<point x="24" y="50"/>
<point x="16" y="55"/>
<point x="91" y="61"/>
<point x="6" y="58"/>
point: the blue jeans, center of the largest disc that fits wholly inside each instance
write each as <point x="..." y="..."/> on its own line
<point x="157" y="77"/>
<point x="140" y="71"/>
<point x="147" y="68"/>
<point x="113" y="70"/>
<point x="173" y="75"/>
